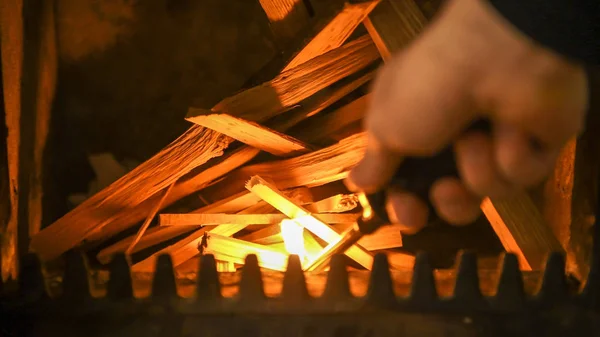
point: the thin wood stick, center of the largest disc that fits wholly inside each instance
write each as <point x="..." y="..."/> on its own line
<point x="271" y="194"/>
<point x="188" y="248"/>
<point x="146" y="223"/>
<point x="235" y="250"/>
<point x="207" y="219"/>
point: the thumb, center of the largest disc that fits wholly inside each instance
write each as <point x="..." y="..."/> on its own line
<point x="376" y="168"/>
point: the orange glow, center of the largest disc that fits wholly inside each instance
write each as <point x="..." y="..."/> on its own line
<point x="292" y="233"/>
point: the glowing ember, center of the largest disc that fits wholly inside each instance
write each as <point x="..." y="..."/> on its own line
<point x="293" y="238"/>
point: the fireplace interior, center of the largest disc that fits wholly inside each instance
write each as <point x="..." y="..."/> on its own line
<point x="183" y="162"/>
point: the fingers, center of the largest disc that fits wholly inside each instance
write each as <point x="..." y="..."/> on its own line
<point x="454" y="203"/>
<point x="407" y="210"/>
<point x="519" y="159"/>
<point x="476" y="163"/>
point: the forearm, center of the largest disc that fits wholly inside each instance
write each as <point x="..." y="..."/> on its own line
<point x="569" y="27"/>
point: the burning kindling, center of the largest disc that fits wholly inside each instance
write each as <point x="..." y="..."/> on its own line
<point x="267" y="164"/>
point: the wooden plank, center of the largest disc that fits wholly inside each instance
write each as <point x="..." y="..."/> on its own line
<point x="335" y="33"/>
<point x="11" y="43"/>
<point x="196" y="146"/>
<point x="393" y="24"/>
<point x="271" y="194"/>
<point x="213" y="219"/>
<point x="249" y="133"/>
<point x="522" y="230"/>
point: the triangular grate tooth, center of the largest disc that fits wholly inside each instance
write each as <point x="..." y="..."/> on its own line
<point x="381" y="289"/>
<point x="251" y="284"/>
<point x="338" y="285"/>
<point x="294" y="282"/>
<point x="75" y="285"/>
<point x="466" y="290"/>
<point x="423" y="291"/>
<point x="554" y="287"/>
<point x="31" y="278"/>
<point x="208" y="287"/>
<point x="510" y="293"/>
<point x="120" y="285"/>
<point x="163" y="284"/>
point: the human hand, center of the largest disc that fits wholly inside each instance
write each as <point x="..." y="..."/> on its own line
<point x="470" y="64"/>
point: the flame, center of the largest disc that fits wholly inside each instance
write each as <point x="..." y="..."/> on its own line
<point x="293" y="238"/>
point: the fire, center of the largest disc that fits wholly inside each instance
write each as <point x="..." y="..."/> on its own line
<point x="293" y="238"/>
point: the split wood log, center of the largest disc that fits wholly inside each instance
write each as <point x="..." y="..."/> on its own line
<point x="317" y="103"/>
<point x="249" y="133"/>
<point x="214" y="219"/>
<point x="295" y="84"/>
<point x="335" y="33"/>
<point x="29" y="71"/>
<point x="312" y="169"/>
<point x="522" y="230"/>
<point x="11" y="44"/>
<point x="198" y="145"/>
<point x="393" y="24"/>
<point x="193" y="148"/>
<point x="273" y="196"/>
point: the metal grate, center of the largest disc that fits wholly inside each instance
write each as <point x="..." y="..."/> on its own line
<point x="554" y="311"/>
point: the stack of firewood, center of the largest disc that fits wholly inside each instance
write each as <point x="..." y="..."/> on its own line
<point x="266" y="162"/>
